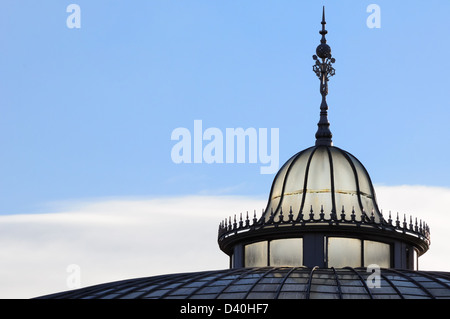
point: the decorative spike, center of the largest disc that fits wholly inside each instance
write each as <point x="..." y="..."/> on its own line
<point x="271" y="216"/>
<point x="390" y="219"/>
<point x="247" y="221"/>
<point x="281" y="215"/>
<point x="397" y="222"/>
<point x="333" y="216"/>
<point x="343" y="213"/>
<point x="311" y="214"/>
<point x="300" y="216"/>
<point x="405" y="224"/>
<point x="372" y="217"/>
<point x="353" y="215"/>
<point x="241" y="223"/>
<point x="321" y="215"/>
<point x="291" y="215"/>
<point x="255" y="220"/>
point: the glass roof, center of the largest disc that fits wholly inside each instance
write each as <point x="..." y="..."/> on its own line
<point x="274" y="283"/>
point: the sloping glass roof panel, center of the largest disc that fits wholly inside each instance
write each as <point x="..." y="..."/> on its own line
<point x="273" y="282"/>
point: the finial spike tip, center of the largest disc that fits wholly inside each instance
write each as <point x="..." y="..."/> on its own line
<point x="323" y="15"/>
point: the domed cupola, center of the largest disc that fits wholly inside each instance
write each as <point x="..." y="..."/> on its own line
<point x="323" y="178"/>
<point x="322" y="209"/>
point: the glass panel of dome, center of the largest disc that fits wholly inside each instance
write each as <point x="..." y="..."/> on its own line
<point x="367" y="196"/>
<point x="277" y="186"/>
<point x="367" y="203"/>
<point x="377" y="253"/>
<point x="343" y="252"/>
<point x="344" y="184"/>
<point x="295" y="180"/>
<point x="286" y="252"/>
<point x="256" y="254"/>
<point x="319" y="184"/>
<point x="363" y="177"/>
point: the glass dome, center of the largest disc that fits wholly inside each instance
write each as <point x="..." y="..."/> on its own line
<point x="324" y="178"/>
<point x="273" y="283"/>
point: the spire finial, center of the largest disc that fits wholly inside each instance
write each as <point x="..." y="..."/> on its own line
<point x="323" y="31"/>
<point x="323" y="70"/>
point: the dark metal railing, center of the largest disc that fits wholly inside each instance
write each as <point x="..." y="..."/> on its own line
<point x="230" y="227"/>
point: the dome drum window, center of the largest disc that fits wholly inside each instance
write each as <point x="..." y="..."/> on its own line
<point x="353" y="252"/>
<point x="338" y="252"/>
<point x="276" y="253"/>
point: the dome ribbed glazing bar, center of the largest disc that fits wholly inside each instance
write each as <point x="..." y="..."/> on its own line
<point x="277" y="294"/>
<point x="391" y="284"/>
<point x="411" y="279"/>
<point x="363" y="282"/>
<point x="207" y="283"/>
<point x="337" y="282"/>
<point x="308" y="285"/>
<point x="242" y="275"/>
<point x="257" y="281"/>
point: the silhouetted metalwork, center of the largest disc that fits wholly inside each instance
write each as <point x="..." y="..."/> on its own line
<point x="300" y="222"/>
<point x="324" y="70"/>
<point x="273" y="283"/>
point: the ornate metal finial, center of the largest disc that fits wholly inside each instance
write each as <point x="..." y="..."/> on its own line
<point x="323" y="70"/>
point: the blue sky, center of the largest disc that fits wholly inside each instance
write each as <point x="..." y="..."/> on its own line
<point x="88" y="113"/>
<point x="86" y="118"/>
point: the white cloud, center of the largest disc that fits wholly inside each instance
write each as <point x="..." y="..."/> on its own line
<point x="126" y="238"/>
<point x="113" y="240"/>
<point x="431" y="204"/>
